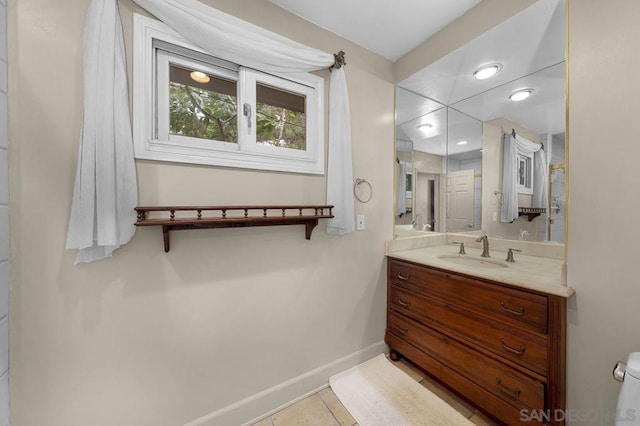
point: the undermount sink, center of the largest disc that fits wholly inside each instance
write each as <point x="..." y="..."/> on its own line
<point x="466" y="260"/>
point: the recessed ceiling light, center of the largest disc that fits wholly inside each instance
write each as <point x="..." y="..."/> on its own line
<point x="424" y="126"/>
<point x="487" y="71"/>
<point x="200" y="77"/>
<point x="521" y="95"/>
<point x="463" y="143"/>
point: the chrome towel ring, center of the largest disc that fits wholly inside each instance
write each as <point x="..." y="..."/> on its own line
<point x="355" y="192"/>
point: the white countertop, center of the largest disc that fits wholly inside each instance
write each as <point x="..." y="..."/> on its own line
<point x="528" y="272"/>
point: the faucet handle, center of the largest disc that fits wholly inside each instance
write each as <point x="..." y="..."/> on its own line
<point x="461" y="247"/>
<point x="510" y="254"/>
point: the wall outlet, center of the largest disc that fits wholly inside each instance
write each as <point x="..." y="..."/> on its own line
<point x="495" y="216"/>
<point x="360" y="222"/>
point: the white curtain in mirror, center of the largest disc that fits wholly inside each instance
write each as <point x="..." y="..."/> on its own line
<point x="514" y="146"/>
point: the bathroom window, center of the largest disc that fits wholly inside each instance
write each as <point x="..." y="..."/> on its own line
<point x="525" y="174"/>
<point x="194" y="108"/>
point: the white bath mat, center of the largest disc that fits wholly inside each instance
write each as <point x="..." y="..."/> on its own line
<point x="377" y="393"/>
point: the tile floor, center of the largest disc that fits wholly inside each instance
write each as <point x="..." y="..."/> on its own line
<point x="325" y="409"/>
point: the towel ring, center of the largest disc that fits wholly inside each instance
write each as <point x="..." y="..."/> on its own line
<point x="355" y="187"/>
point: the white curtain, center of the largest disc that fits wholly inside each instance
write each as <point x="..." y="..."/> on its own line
<point x="339" y="169"/>
<point x="106" y="140"/>
<point x="105" y="191"/>
<point x="514" y="145"/>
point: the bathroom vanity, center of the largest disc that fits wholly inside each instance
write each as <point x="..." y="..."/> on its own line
<point x="494" y="336"/>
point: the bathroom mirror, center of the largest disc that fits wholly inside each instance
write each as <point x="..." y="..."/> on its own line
<point x="421" y="149"/>
<point x="479" y="114"/>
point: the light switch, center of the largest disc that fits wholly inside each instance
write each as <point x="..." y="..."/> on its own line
<point x="360" y="222"/>
<point x="495" y="216"/>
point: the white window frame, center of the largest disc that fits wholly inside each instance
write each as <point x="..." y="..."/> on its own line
<point x="150" y="132"/>
<point x="527" y="160"/>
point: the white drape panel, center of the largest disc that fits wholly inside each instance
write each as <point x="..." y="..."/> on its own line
<point x="511" y="148"/>
<point x="230" y="38"/>
<point x="340" y="169"/>
<point x="105" y="191"/>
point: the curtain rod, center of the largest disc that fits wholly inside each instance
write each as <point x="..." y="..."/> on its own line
<point x="513" y="133"/>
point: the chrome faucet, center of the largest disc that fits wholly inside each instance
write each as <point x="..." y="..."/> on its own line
<point x="485" y="245"/>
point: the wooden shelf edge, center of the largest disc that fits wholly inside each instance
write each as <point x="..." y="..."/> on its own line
<point x="531" y="212"/>
<point x="172" y="223"/>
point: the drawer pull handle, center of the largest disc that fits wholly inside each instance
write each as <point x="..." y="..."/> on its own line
<point x="402" y="330"/>
<point x="519" y="312"/>
<point x="403" y="303"/>
<point x="404" y="277"/>
<point x="513" y="394"/>
<point x="513" y="350"/>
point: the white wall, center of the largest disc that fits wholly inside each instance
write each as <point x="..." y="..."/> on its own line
<point x="4" y="223"/>
<point x="148" y="338"/>
<point x="604" y="131"/>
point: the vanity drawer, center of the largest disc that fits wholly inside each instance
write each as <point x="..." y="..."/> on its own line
<point x="521" y="347"/>
<point x="520" y="308"/>
<point x="490" y="403"/>
<point x="501" y="380"/>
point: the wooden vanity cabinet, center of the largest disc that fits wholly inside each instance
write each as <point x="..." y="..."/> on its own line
<point x="499" y="346"/>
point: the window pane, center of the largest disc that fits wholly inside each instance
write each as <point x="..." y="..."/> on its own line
<point x="202" y="106"/>
<point x="281" y="119"/>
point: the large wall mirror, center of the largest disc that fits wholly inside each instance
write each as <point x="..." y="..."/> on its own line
<point x="480" y="134"/>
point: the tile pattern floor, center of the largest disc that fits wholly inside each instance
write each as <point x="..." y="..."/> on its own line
<point x="325" y="409"/>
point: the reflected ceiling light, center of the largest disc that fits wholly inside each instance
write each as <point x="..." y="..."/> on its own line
<point x="487" y="71"/>
<point x="521" y="95"/>
<point x="424" y="126"/>
<point x="463" y="143"/>
<point x="200" y="77"/>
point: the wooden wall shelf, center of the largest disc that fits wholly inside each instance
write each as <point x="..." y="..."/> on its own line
<point x="192" y="217"/>
<point x="531" y="212"/>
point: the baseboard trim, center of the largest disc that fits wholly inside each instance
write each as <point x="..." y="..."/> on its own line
<point x="261" y="405"/>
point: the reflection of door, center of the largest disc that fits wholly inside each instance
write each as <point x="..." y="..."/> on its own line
<point x="460" y="200"/>
<point x="425" y="197"/>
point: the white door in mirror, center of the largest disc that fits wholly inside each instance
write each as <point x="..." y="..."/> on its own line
<point x="360" y="222"/>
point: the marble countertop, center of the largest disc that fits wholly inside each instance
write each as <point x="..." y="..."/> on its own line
<point x="528" y="272"/>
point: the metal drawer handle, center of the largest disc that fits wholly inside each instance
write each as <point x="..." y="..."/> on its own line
<point x="512" y="350"/>
<point x="404" y="277"/>
<point x="402" y="330"/>
<point x="513" y="394"/>
<point x="403" y="303"/>
<point x="519" y="312"/>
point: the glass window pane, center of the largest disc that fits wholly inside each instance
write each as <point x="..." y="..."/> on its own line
<point x="202" y="106"/>
<point x="280" y="118"/>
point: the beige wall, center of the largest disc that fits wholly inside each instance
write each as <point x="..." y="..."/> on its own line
<point x="603" y="246"/>
<point x="149" y="338"/>
<point x="492" y="153"/>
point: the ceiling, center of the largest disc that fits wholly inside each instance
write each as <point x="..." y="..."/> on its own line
<point x="530" y="46"/>
<point x="389" y="29"/>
